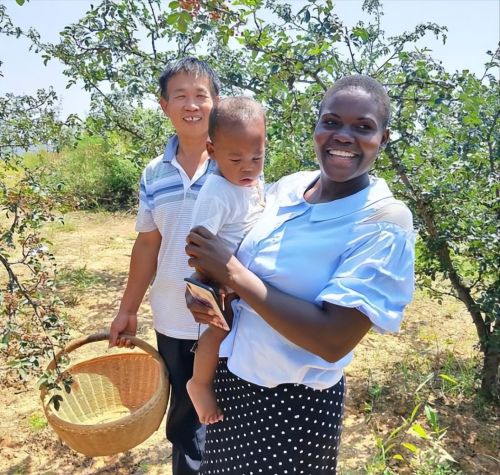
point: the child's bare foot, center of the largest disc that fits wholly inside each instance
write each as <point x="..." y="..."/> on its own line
<point x="204" y="401"/>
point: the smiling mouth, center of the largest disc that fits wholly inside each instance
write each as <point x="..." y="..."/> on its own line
<point x="192" y="119"/>
<point x="340" y="154"/>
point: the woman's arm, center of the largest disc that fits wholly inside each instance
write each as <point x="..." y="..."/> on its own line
<point x="330" y="331"/>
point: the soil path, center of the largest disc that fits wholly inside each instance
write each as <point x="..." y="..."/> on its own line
<point x="93" y="251"/>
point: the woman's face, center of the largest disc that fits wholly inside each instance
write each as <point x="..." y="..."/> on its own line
<point x="348" y="136"/>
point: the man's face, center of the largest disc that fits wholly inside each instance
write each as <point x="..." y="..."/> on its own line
<point x="188" y="105"/>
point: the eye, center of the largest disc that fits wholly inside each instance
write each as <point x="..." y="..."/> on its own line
<point x="330" y="121"/>
<point x="180" y="96"/>
<point x="364" y="127"/>
<point x="257" y="159"/>
<point x="235" y="161"/>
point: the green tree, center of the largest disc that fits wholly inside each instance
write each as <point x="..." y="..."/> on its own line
<point x="33" y="324"/>
<point x="443" y="156"/>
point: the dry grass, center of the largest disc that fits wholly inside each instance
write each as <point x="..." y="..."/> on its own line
<point x="93" y="252"/>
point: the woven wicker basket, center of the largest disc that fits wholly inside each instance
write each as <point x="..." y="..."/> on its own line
<point x="116" y="401"/>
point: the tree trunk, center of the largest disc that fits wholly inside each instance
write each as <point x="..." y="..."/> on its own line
<point x="490" y="380"/>
<point x="487" y="338"/>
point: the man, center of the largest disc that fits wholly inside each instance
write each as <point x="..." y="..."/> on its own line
<point x="169" y="186"/>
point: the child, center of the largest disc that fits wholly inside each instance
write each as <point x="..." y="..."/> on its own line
<point x="228" y="205"/>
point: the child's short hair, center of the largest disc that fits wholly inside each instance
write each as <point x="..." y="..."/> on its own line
<point x="367" y="84"/>
<point x="193" y="66"/>
<point x="233" y="111"/>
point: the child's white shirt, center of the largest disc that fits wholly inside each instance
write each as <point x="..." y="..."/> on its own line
<point x="227" y="210"/>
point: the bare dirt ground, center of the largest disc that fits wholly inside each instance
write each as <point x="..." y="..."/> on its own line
<point x="385" y="381"/>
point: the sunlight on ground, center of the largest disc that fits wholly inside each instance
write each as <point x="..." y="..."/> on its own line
<point x="385" y="382"/>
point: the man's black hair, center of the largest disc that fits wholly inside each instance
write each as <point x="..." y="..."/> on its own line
<point x="189" y="65"/>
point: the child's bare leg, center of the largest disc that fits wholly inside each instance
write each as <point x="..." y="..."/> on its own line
<point x="200" y="386"/>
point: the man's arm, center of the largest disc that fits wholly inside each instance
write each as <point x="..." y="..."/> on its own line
<point x="143" y="262"/>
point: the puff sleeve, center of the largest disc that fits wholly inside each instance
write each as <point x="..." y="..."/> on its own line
<point x="376" y="276"/>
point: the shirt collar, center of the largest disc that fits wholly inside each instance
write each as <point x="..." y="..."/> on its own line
<point x="377" y="190"/>
<point x="171" y="149"/>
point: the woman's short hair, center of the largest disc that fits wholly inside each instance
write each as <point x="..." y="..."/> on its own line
<point x="367" y="84"/>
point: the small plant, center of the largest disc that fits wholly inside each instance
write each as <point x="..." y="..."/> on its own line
<point x="460" y="377"/>
<point x="374" y="393"/>
<point x="144" y="467"/>
<point x="33" y="323"/>
<point x="72" y="281"/>
<point x="81" y="278"/>
<point x="421" y="448"/>
<point x="37" y="421"/>
<point x="434" y="458"/>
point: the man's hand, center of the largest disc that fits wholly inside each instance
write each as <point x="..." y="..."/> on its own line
<point x="124" y="324"/>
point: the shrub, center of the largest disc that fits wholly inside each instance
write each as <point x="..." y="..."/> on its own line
<point x="93" y="174"/>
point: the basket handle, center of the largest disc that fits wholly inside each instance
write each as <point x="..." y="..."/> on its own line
<point x="102" y="336"/>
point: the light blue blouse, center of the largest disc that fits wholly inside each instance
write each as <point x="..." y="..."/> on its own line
<point x="355" y="252"/>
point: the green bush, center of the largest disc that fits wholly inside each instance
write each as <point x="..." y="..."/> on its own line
<point x="121" y="178"/>
<point x="96" y="173"/>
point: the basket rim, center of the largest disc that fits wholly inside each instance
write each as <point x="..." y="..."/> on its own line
<point x="129" y="419"/>
<point x="122" y="421"/>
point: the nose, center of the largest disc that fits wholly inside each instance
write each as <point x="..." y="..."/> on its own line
<point x="190" y="104"/>
<point x="343" y="135"/>
<point x="248" y="167"/>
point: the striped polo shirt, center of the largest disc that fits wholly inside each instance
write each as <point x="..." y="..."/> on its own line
<point x="166" y="201"/>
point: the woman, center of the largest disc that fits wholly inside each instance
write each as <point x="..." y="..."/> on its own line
<point x="331" y="257"/>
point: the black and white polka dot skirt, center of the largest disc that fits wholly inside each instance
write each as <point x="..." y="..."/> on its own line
<point x="289" y="429"/>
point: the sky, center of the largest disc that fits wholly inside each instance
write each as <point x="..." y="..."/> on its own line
<point x="473" y="28"/>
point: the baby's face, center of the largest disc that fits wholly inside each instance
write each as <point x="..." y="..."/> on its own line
<point x="239" y="152"/>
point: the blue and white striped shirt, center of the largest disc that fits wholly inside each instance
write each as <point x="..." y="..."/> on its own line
<point x="166" y="201"/>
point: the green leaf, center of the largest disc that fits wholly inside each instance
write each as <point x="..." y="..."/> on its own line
<point x="426" y="380"/>
<point x="172" y="18"/>
<point x="361" y="33"/>
<point x="448" y="378"/>
<point x="182" y="25"/>
<point x="197" y="37"/>
<point x="20" y="2"/>
<point x="411" y="447"/>
<point x="432" y="417"/>
<point x="419" y="431"/>
<point x="185" y="16"/>
<point x="398" y="457"/>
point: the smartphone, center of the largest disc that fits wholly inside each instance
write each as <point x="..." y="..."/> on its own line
<point x="204" y="292"/>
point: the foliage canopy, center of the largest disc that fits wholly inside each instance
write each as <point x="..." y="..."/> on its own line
<point x="443" y="156"/>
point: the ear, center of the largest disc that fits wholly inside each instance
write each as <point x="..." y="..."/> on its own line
<point x="164" y="106"/>
<point x="385" y="138"/>
<point x="210" y="147"/>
